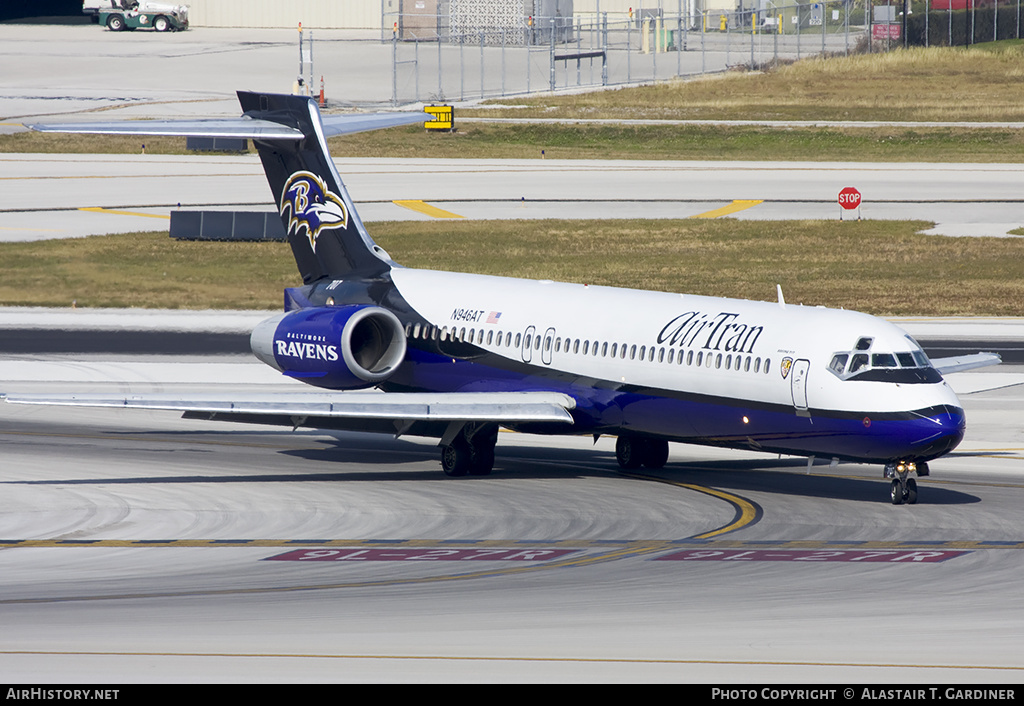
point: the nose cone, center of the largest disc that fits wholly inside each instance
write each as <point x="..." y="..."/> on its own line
<point x="943" y="428"/>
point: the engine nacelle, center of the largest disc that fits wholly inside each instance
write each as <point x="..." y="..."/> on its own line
<point x="334" y="347"/>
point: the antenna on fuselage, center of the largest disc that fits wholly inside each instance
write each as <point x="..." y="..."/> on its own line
<point x="782" y="300"/>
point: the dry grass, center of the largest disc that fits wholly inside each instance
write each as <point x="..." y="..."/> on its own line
<point x="57" y="143"/>
<point x="918" y="84"/>
<point x="882" y="267"/>
<point x="148" y="270"/>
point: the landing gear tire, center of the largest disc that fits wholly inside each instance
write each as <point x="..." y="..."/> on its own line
<point x="897" y="492"/>
<point x="904" y="488"/>
<point x="632" y="452"/>
<point x="456" y="459"/>
<point x="482" y="463"/>
<point x="629" y="452"/>
<point x="655" y="454"/>
<point x="471" y="452"/>
<point x="910" y="497"/>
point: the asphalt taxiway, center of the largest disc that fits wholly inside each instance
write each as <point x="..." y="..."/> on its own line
<point x="139" y="546"/>
<point x="157" y="549"/>
<point x="152" y="539"/>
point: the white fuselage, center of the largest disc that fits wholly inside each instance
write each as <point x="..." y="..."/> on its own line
<point x="726" y="348"/>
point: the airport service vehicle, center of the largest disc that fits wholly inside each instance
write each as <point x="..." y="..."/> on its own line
<point x="119" y="15"/>
<point x="458" y="355"/>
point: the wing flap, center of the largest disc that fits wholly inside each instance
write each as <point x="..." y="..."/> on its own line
<point x="406" y="406"/>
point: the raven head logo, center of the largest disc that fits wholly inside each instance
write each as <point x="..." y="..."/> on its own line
<point x="309" y="204"/>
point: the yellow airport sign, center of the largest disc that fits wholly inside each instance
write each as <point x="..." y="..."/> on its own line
<point x="444" y="117"/>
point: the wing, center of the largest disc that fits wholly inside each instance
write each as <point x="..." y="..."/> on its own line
<point x="395" y="412"/>
<point x="965" y="362"/>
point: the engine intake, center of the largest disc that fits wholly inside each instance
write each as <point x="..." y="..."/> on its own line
<point x="333" y="347"/>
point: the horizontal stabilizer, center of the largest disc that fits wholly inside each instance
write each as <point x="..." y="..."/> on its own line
<point x="408" y="406"/>
<point x="351" y="124"/>
<point x="238" y="128"/>
<point x="960" y="363"/>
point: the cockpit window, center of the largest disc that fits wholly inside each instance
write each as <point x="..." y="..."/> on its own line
<point x="883" y="360"/>
<point x="859" y="362"/>
<point x="838" y="364"/>
<point x="900" y="367"/>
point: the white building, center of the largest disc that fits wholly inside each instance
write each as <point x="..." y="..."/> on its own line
<point x="381" y="14"/>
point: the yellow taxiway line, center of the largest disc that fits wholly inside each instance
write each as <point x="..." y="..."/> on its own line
<point x="734" y="207"/>
<point x="427" y="209"/>
<point x="97" y="209"/>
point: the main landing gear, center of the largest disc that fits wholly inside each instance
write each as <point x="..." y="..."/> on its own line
<point x="904" y="488"/>
<point x="633" y="451"/>
<point x="470" y="451"/>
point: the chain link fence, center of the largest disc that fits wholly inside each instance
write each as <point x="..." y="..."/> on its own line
<point x="962" y="22"/>
<point x="434" y="59"/>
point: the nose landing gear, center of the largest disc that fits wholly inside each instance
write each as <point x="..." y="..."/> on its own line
<point x="904" y="488"/>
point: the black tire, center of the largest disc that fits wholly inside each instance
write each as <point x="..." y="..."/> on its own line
<point x="896" y="491"/>
<point x="911" y="491"/>
<point x="482" y="463"/>
<point x="116" y="23"/>
<point x="628" y="452"/>
<point x="456" y="459"/>
<point x="161" y="23"/>
<point x="655" y="453"/>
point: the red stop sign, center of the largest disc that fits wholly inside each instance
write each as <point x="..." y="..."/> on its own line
<point x="849" y="198"/>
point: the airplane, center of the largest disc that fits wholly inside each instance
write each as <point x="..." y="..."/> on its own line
<point x="456" y="356"/>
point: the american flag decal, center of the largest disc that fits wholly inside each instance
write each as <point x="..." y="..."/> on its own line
<point x="494" y="316"/>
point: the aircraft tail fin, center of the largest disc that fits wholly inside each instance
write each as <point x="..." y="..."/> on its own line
<point x="327" y="237"/>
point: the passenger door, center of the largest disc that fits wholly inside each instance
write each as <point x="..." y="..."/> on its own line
<point x="798" y="377"/>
